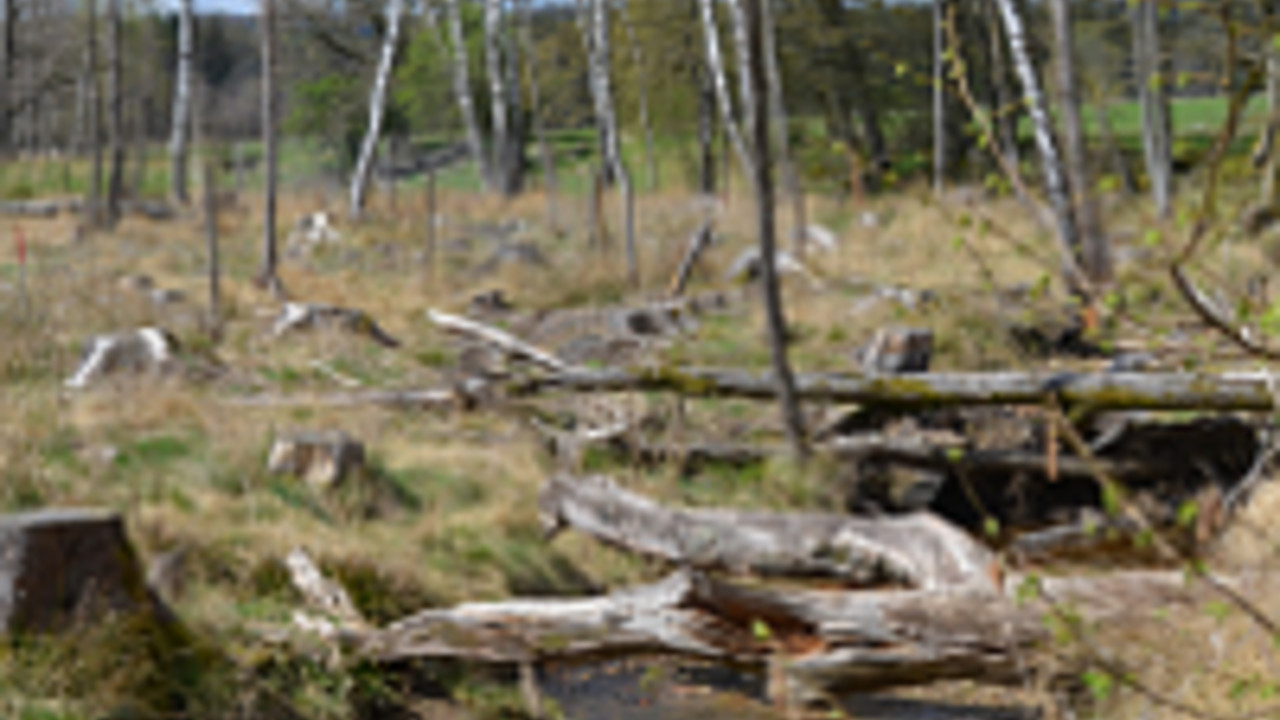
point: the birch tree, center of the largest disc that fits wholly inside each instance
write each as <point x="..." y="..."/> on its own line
<point x="598" y="58"/>
<point x="268" y="277"/>
<point x="115" y="180"/>
<point x="181" y="129"/>
<point x="462" y="92"/>
<point x="762" y="182"/>
<point x="377" y="108"/>
<point x="1051" y="162"/>
<point x="715" y="68"/>
<point x="1095" y="250"/>
<point x="1151" y="73"/>
<point x="505" y="163"/>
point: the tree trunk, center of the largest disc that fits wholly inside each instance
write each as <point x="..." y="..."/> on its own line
<point x="10" y="57"/>
<point x="500" y="115"/>
<point x="1151" y="73"/>
<point x="115" y="181"/>
<point x="211" y="242"/>
<point x="939" y="96"/>
<point x="781" y="129"/>
<point x="1054" y="177"/>
<point x="1102" y="391"/>
<point x="182" y="103"/>
<point x="1004" y="109"/>
<point x="607" y="120"/>
<point x="268" y="277"/>
<point x="754" y="26"/>
<point x="715" y="68"/>
<point x="545" y="152"/>
<point x="462" y="93"/>
<point x="377" y="106"/>
<point x="93" y="208"/>
<point x="742" y="53"/>
<point x="706" y="127"/>
<point x="642" y="81"/>
<point x="1095" y="249"/>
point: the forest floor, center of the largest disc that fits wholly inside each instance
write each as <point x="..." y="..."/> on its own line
<point x="186" y="465"/>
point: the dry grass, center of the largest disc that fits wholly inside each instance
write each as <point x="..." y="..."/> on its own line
<point x="186" y="468"/>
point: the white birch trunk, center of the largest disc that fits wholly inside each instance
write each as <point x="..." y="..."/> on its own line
<point x="1051" y="162"/>
<point x="377" y="107"/>
<point x="606" y="118"/>
<point x="1153" y="98"/>
<point x="715" y="65"/>
<point x="497" y="94"/>
<point x="181" y="129"/>
<point x="742" y="52"/>
<point x="462" y="92"/>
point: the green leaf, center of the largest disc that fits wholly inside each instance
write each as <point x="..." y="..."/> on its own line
<point x="991" y="527"/>
<point x="1152" y="238"/>
<point x="1111" y="499"/>
<point x="1099" y="683"/>
<point x="1187" y="513"/>
<point x="954" y="454"/>
<point x="1028" y="589"/>
<point x="760" y="630"/>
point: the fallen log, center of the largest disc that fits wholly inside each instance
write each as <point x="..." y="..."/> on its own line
<point x="834" y="641"/>
<point x="915" y="550"/>
<point x="1101" y="391"/>
<point x="437" y="398"/>
<point x="500" y="339"/>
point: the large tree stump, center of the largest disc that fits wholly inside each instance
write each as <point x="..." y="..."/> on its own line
<point x="60" y="567"/>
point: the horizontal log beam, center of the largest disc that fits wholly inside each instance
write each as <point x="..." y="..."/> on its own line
<point x="1103" y="391"/>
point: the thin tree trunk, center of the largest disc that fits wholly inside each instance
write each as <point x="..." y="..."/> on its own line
<point x="93" y="210"/>
<point x="545" y="153"/>
<point x="754" y="26"/>
<point x="642" y="82"/>
<point x="607" y="120"/>
<point x="268" y="277"/>
<point x="715" y="67"/>
<point x="706" y="126"/>
<point x="1054" y="178"/>
<point x="10" y="58"/>
<point x="517" y="130"/>
<point x="1003" y="109"/>
<point x="377" y="107"/>
<point x="498" y="94"/>
<point x="462" y="93"/>
<point x="939" y="96"/>
<point x="182" y="103"/>
<point x="211" y="240"/>
<point x="742" y="51"/>
<point x="1150" y="71"/>
<point x="778" y="116"/>
<point x="115" y="181"/>
<point x="1094" y="246"/>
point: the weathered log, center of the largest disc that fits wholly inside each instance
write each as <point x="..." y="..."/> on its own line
<point x="916" y="550"/>
<point x="835" y="641"/>
<point x="436" y="398"/>
<point x="501" y="339"/>
<point x="1103" y="391"/>
<point x="298" y="316"/>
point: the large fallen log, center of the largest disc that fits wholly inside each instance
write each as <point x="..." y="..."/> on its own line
<point x="1101" y="391"/>
<point x="835" y="641"/>
<point x="917" y="550"/>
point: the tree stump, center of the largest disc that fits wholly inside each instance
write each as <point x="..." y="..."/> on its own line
<point x="145" y="350"/>
<point x="324" y="460"/>
<point x="62" y="567"/>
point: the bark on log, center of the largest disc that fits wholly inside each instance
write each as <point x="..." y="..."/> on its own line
<point x="1101" y="391"/>
<point x="836" y="641"/>
<point x="917" y="550"/>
